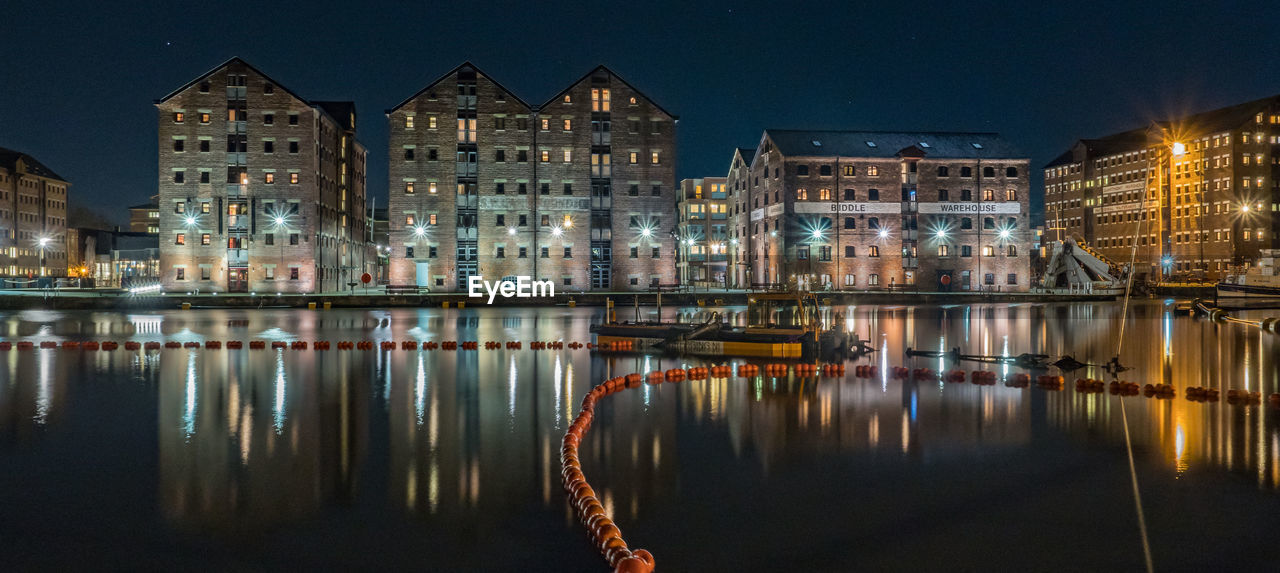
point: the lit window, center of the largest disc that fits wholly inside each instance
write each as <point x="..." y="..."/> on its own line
<point x="824" y="194"/>
<point x="873" y="171"/>
<point x="546" y="124"/>
<point x="567" y="99"/>
<point x="568" y="156"/>
<point x="635" y="158"/>
<point x="178" y="117"/>
<point x="546" y="155"/>
<point x="205" y="239"/>
<point x="408" y="188"/>
<point x="431" y="122"/>
<point x="802" y="195"/>
<point x="988" y="251"/>
<point x="431" y="188"/>
<point x="293" y="178"/>
<point x="408" y="219"/>
<point x="653" y="157"/>
<point x="431" y="219"/>
<point x="271" y="178"/>
<point x="568" y="125"/>
<point x="180" y="239"/>
<point x="408" y="122"/>
<point x="204" y="118"/>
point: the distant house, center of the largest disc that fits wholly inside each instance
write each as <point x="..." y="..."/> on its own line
<point x="117" y="258"/>
<point x="145" y="217"/>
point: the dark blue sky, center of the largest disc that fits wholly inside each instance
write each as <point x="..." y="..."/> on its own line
<point x="80" y="77"/>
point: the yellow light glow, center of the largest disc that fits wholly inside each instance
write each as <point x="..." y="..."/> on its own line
<point x="1179" y="149"/>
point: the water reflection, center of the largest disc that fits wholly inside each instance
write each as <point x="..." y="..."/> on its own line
<point x="254" y="439"/>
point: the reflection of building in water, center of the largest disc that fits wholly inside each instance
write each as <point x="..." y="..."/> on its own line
<point x="472" y="432"/>
<point x="32" y="393"/>
<point x="258" y="437"/>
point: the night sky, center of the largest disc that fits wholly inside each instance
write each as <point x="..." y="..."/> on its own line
<point x="80" y="77"/>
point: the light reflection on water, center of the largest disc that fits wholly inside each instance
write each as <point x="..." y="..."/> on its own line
<point x="250" y="440"/>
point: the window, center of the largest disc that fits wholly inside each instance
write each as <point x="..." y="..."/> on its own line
<point x="179" y="176"/>
<point x="524" y="252"/>
<point x="408" y="122"/>
<point x="1010" y="171"/>
<point x="966" y="251"/>
<point x="268" y="119"/>
<point x="568" y="188"/>
<point x="988" y="171"/>
<point x="408" y="252"/>
<point x="546" y="124"/>
<point x="180" y="239"/>
<point x="545" y="253"/>
<point x="1011" y="251"/>
<point x="204" y="145"/>
<point x="654" y="254"/>
<point x="988" y="251"/>
<point x="943" y="171"/>
<point x="293" y="147"/>
<point x="545" y="155"/>
<point x="205" y="239"/>
<point x="179" y="207"/>
<point x="850" y="223"/>
<point x="268" y="88"/>
<point x="944" y="195"/>
<point x="656" y="190"/>
<point x="824" y="170"/>
<point x="179" y="145"/>
<point x="408" y="154"/>
<point x="501" y="253"/>
<point x="966" y="172"/>
<point x="500" y="220"/>
<point x="635" y="252"/>
<point x="848" y="170"/>
<point x="270" y="178"/>
<point x="268" y="147"/>
<point x="824" y="194"/>
<point x="873" y="223"/>
<point x="431" y="188"/>
<point x="873" y="194"/>
<point x="293" y="238"/>
<point x="1010" y="194"/>
<point x="873" y="251"/>
<point x="873" y="171"/>
<point x="802" y="170"/>
<point x="988" y="195"/>
<point x="634" y="190"/>
<point x="989" y="278"/>
<point x="850" y="251"/>
<point x="269" y="238"/>
<point x="988" y="223"/>
<point x="500" y="155"/>
<point x="634" y="157"/>
<point x="293" y="273"/>
<point x="431" y="251"/>
<point x="653" y="157"/>
<point x="568" y="125"/>
<point x="568" y="252"/>
<point x="204" y="118"/>
<point x="802" y="195"/>
<point x="293" y="119"/>
<point x="1012" y="279"/>
<point x="850" y="194"/>
<point x="873" y="280"/>
<point x="179" y="117"/>
<point x="568" y="156"/>
<point x="181" y="273"/>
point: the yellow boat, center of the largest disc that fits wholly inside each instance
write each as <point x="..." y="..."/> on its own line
<point x="779" y="325"/>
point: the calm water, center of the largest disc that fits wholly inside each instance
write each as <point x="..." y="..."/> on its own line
<point x="449" y="460"/>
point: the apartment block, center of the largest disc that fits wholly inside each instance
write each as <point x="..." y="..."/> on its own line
<point x="259" y="188"/>
<point x="1193" y="198"/>
<point x="702" y="233"/>
<point x="882" y="210"/>
<point x="483" y="183"/>
<point x="33" y="219"/>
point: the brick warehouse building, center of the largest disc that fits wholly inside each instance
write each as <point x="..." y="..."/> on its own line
<point x="260" y="189"/>
<point x="1196" y="195"/>
<point x="873" y="210"/>
<point x="579" y="190"/>
<point x="33" y="218"/>
<point x="702" y="231"/>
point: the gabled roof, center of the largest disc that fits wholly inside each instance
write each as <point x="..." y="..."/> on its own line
<point x="9" y="159"/>
<point x="747" y="154"/>
<point x="1066" y="158"/>
<point x="1229" y="117"/>
<point x="615" y="76"/>
<point x="446" y="75"/>
<point x="890" y="144"/>
<point x="340" y="111"/>
<point x="233" y="60"/>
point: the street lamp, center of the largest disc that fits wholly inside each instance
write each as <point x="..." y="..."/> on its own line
<point x="44" y="241"/>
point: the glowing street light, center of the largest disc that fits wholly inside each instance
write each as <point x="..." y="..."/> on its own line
<point x="190" y="220"/>
<point x="884" y="233"/>
<point x="817" y="233"/>
<point x="1244" y="208"/>
<point x="278" y="220"/>
<point x="556" y="231"/>
<point x="511" y="231"/>
<point x="1178" y="148"/>
<point x="419" y="231"/>
<point x="1004" y="233"/>
<point x="941" y="234"/>
<point x="646" y="232"/>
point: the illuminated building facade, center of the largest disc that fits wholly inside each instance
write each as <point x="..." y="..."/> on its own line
<point x="1190" y="198"/>
<point x="859" y="210"/>
<point x="579" y="190"/>
<point x="259" y="189"/>
<point x="33" y="218"/>
<point x="702" y="234"/>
